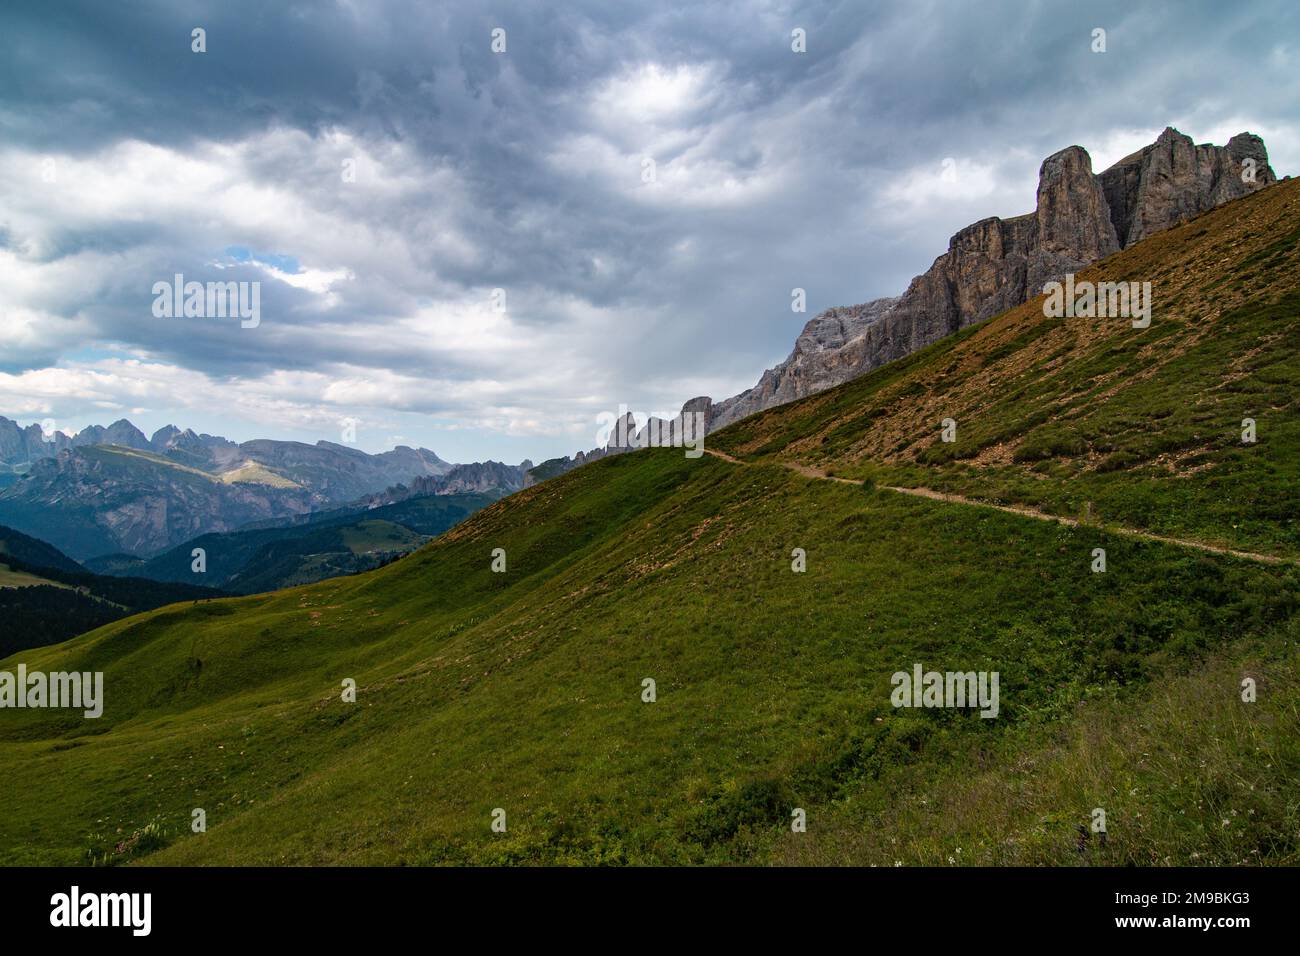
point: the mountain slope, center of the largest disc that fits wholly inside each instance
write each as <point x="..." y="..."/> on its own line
<point x="995" y="264"/>
<point x="523" y="690"/>
<point x="1093" y="418"/>
<point x="33" y="552"/>
<point x="45" y="597"/>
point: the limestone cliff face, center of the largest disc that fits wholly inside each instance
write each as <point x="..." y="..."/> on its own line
<point x="996" y="264"/>
<point x="819" y="360"/>
<point x="480" y="477"/>
<point x="1174" y="179"/>
<point x="19" y="447"/>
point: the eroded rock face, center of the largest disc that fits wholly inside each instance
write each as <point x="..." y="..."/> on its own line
<point x="819" y="360"/>
<point x="996" y="264"/>
<point x="1174" y="179"/>
<point x="1072" y="220"/>
<point x="702" y="404"/>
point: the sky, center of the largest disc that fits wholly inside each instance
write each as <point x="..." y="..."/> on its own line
<point x="476" y="227"/>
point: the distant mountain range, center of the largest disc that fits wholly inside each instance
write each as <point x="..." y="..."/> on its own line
<point x="318" y="466"/>
<point x="111" y="490"/>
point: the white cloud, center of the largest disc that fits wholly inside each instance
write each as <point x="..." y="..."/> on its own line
<point x="651" y="93"/>
<point x="940" y="180"/>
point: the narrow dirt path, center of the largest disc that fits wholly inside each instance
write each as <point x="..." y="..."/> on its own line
<point x="808" y="471"/>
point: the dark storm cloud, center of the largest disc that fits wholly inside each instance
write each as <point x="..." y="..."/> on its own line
<point x="521" y="170"/>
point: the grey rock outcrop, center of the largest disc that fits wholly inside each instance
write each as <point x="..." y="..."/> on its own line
<point x="1174" y="179"/>
<point x="817" y="362"/>
<point x="490" y="477"/>
<point x="622" y="436"/>
<point x="996" y="264"/>
<point x="703" y="405"/>
<point x="121" y="432"/>
<point x="625" y="436"/>
<point x="482" y="477"/>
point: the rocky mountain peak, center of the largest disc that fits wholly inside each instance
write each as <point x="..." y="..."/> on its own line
<point x="163" y="436"/>
<point x="1174" y="179"/>
<point x="623" y="434"/>
<point x="121" y="432"/>
<point x="1072" y="216"/>
<point x="995" y="264"/>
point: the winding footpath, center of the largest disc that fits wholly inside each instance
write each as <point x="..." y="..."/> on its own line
<point x="808" y="471"/>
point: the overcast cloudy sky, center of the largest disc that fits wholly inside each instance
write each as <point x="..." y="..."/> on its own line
<point x="125" y="158"/>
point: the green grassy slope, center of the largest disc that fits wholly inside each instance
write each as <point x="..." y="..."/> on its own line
<point x="523" y="690"/>
<point x="1091" y="417"/>
<point x="10" y="578"/>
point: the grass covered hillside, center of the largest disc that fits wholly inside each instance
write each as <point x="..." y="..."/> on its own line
<point x="1092" y="418"/>
<point x="523" y="691"/>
